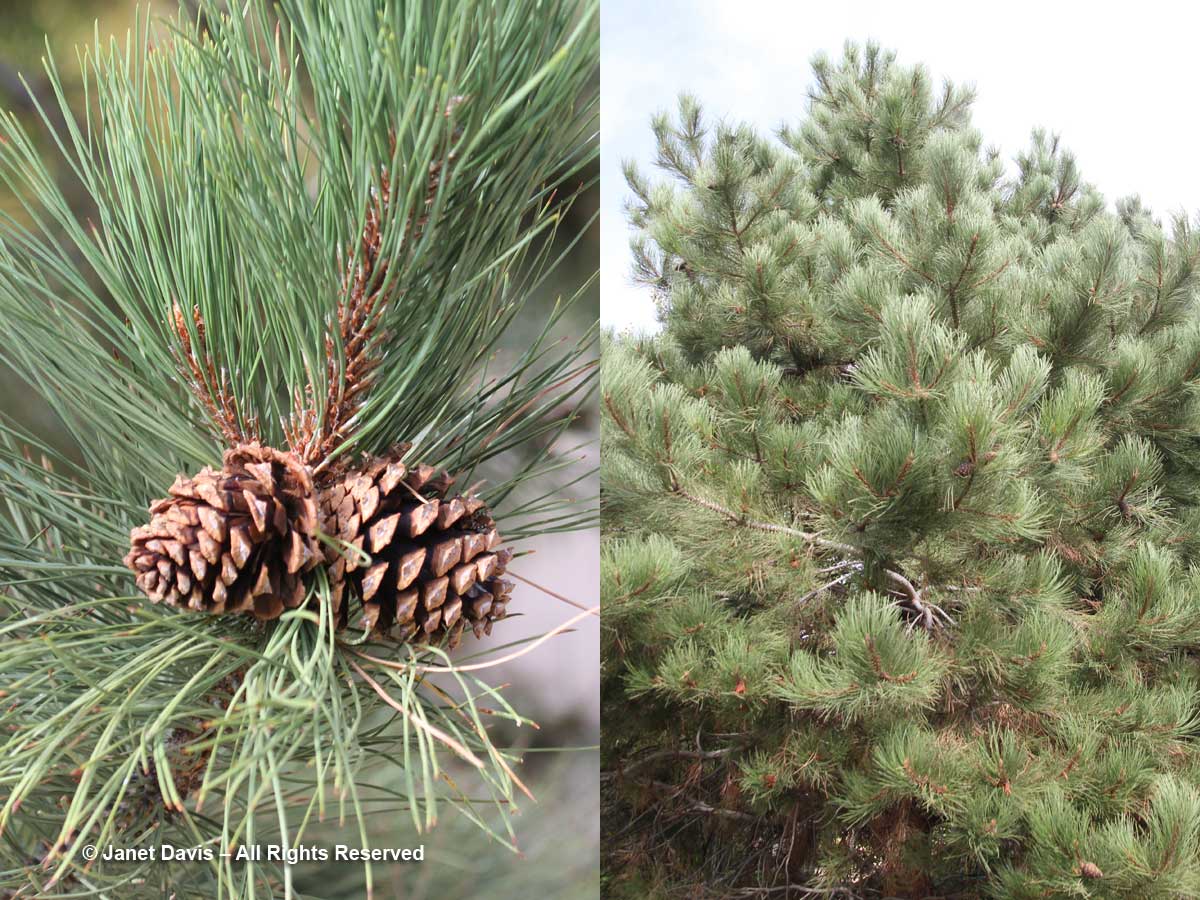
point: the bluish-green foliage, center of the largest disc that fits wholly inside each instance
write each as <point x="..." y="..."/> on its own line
<point x="911" y="478"/>
<point x="231" y="161"/>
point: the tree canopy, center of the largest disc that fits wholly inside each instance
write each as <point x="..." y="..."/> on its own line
<point x="901" y="512"/>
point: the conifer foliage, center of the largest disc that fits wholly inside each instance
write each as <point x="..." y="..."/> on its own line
<point x="312" y="225"/>
<point x="901" y="565"/>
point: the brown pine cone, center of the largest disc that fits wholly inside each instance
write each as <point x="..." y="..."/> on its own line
<point x="237" y="540"/>
<point x="424" y="564"/>
<point x="1090" y="870"/>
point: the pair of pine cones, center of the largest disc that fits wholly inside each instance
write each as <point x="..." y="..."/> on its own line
<point x="417" y="562"/>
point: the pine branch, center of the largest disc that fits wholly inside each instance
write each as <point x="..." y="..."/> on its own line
<point x="841" y="579"/>
<point x="695" y="804"/>
<point x="762" y="526"/>
<point x="649" y="758"/>
<point x="353" y="344"/>
<point x="927" y="610"/>
<point x="212" y="389"/>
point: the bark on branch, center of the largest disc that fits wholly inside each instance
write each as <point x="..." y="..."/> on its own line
<point x="929" y="612"/>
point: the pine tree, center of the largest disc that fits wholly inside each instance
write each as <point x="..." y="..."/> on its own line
<point x="312" y="226"/>
<point x="901" y="561"/>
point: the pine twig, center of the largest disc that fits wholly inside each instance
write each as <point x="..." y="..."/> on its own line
<point x="351" y="343"/>
<point x="212" y="390"/>
<point x="671" y="754"/>
<point x="928" y="611"/>
<point x="694" y="803"/>
<point x="808" y="536"/>
<point x="923" y="606"/>
<point x="825" y="587"/>
<point x="354" y="353"/>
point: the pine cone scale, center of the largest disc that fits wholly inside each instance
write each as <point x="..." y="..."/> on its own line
<point x="487" y="565"/>
<point x="433" y="593"/>
<point x="408" y="566"/>
<point x="416" y="521"/>
<point x="406" y="605"/>
<point x="368" y="502"/>
<point x="382" y="532"/>
<point x="446" y="555"/>
<point x="462" y="577"/>
<point x="299" y="556"/>
<point x="452" y="611"/>
<point x="239" y="545"/>
<point x="212" y="522"/>
<point x="373" y="580"/>
<point x="450" y="512"/>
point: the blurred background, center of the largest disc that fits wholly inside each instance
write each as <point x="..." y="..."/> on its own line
<point x="557" y="685"/>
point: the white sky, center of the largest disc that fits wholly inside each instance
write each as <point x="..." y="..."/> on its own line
<point x="1119" y="82"/>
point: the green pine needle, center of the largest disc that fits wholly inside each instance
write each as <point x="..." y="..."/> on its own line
<point x="229" y="170"/>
